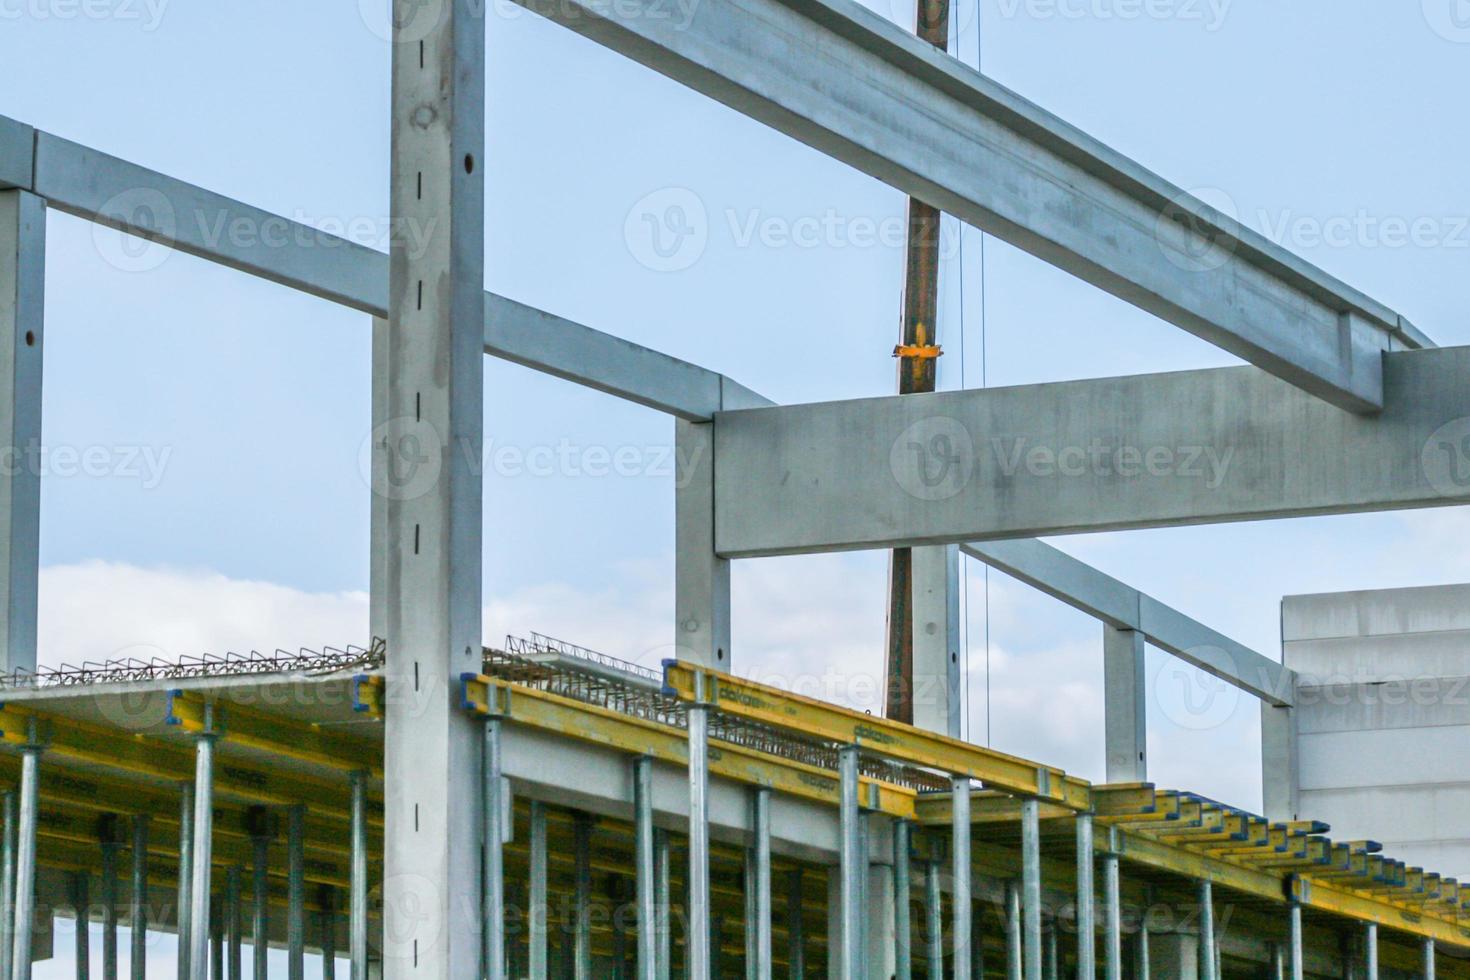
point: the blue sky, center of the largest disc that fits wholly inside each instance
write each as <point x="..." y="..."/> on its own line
<point x="1322" y="123"/>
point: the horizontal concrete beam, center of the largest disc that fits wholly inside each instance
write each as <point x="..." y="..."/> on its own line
<point x="1196" y="447"/>
<point x="853" y="85"/>
<point x="17" y="145"/>
<point x="1098" y="594"/>
<point x="142" y="202"/>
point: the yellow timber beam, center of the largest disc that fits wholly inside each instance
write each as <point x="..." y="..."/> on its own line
<point x="274" y="735"/>
<point x="886" y="739"/>
<point x="602" y="726"/>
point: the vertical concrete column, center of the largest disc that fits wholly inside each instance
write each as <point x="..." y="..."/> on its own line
<point x="537" y="898"/>
<point x="22" y="309"/>
<point x="1280" y="763"/>
<point x="1086" y="900"/>
<point x="432" y="444"/>
<point x="138" y="902"/>
<point x="1125" y="696"/>
<point x="1175" y="956"/>
<point x="880" y="952"/>
<point x="702" y="578"/>
<point x="936" y="607"/>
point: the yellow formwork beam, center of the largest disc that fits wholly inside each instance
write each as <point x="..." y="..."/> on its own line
<point x="602" y="726"/>
<point x="252" y="729"/>
<point x="891" y="740"/>
<point x="937" y="809"/>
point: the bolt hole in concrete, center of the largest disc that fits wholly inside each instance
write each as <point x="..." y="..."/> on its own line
<point x="469" y="163"/>
<point x="30" y="338"/>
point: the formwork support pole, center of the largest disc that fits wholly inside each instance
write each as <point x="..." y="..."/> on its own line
<point x="22" y="311"/>
<point x="1015" y="955"/>
<point x="81" y="901"/>
<point x="850" y="862"/>
<point x="138" y="901"/>
<point x="1208" y="965"/>
<point x="7" y="883"/>
<point x="1278" y="961"/>
<point x="233" y="957"/>
<point x="762" y="851"/>
<point x="110" y="847"/>
<point x="663" y="907"/>
<point x="184" y="913"/>
<point x="1294" y="942"/>
<point x="962" y="914"/>
<point x="260" y="899"/>
<point x="934" y="920"/>
<point x="201" y="854"/>
<point x="1429" y="959"/>
<point x="697" y="944"/>
<point x="1112" y="918"/>
<point x="1031" y="885"/>
<point x="646" y="872"/>
<point x="536" y="934"/>
<point x="903" y="936"/>
<point x="295" y="892"/>
<point x="492" y="887"/>
<point x="1370" y="950"/>
<point x="357" y="902"/>
<point x="582" y="895"/>
<point x="25" y="855"/>
<point x="327" y="931"/>
<point x="1086" y="900"/>
<point x="795" y="928"/>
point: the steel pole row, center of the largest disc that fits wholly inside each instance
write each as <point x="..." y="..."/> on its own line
<point x="295" y="892"/>
<point x="646" y="873"/>
<point x="1086" y="901"/>
<point x="25" y="857"/>
<point x="960" y="851"/>
<point x="1207" y="964"/>
<point x="663" y="875"/>
<point x="1370" y="950"/>
<point x="260" y="911"/>
<point x="582" y="847"/>
<point x="185" y="888"/>
<point x="762" y="883"/>
<point x="492" y="885"/>
<point x="138" y="902"/>
<point x="201" y="854"/>
<point x="903" y="968"/>
<point x="1031" y="885"/>
<point x="536" y="936"/>
<point x="1112" y="918"/>
<point x="850" y="857"/>
<point x="697" y="943"/>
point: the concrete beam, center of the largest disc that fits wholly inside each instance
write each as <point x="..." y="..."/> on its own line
<point x="1235" y="444"/>
<point x="855" y="86"/>
<point x="22" y="344"/>
<point x="17" y="151"/>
